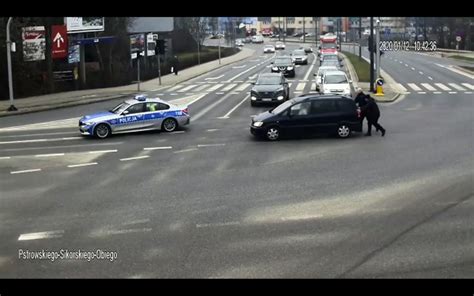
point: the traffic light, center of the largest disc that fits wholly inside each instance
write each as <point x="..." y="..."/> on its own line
<point x="160" y="46"/>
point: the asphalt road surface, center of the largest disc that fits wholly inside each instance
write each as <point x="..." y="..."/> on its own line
<point x="210" y="201"/>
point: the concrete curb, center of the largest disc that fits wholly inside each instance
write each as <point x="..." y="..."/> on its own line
<point x="32" y="109"/>
<point x="463" y="70"/>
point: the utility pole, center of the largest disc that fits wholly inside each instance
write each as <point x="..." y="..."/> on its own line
<point x="284" y="28"/>
<point x="377" y="48"/>
<point x="360" y="37"/>
<point x="279" y="29"/>
<point x="371" y="45"/>
<point x="9" y="62"/>
<point x="304" y="33"/>
<point x="159" y="67"/>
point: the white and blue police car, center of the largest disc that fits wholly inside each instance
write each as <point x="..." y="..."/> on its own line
<point x="133" y="115"/>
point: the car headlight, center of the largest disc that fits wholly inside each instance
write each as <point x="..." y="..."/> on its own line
<point x="289" y="68"/>
<point x="274" y="68"/>
<point x="253" y="98"/>
<point x="279" y="98"/>
<point x="258" y="123"/>
<point x="89" y="123"/>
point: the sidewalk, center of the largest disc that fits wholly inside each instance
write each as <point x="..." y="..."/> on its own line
<point x="80" y="97"/>
<point x="390" y="88"/>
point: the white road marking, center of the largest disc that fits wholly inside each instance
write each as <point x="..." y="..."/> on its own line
<point x="253" y="77"/>
<point x="157" y="148"/>
<point x="468" y="92"/>
<point x="442" y="86"/>
<point x="219" y="93"/>
<point x="414" y="86"/>
<point x="313" y="86"/>
<point x="239" y="81"/>
<point x="25" y="171"/>
<point x="64" y="146"/>
<point x="173" y="94"/>
<point x="421" y="73"/>
<point x="187" y="88"/>
<point x="254" y="60"/>
<point x="174" y="88"/>
<point x="310" y="68"/>
<point x="103" y="151"/>
<point x="41" y="235"/>
<point x="238" y="67"/>
<point x="40" y="140"/>
<point x="49" y="155"/>
<point x="430" y="78"/>
<point x="210" y="145"/>
<point x="437" y="92"/>
<point x="229" y="87"/>
<point x="470" y="86"/>
<point x="428" y="86"/>
<point x="453" y="92"/>
<point x="177" y="132"/>
<point x="186" y="150"/>
<point x="406" y="65"/>
<point x="456" y="71"/>
<point x="413" y="68"/>
<point x="5" y="157"/>
<point x="215" y="87"/>
<point x="241" y="73"/>
<point x="188" y="101"/>
<point x="120" y="231"/>
<point x="402" y="87"/>
<point x="136" y="222"/>
<point x="36" y="135"/>
<point x="300" y="86"/>
<point x="401" y="62"/>
<point x="235" y="107"/>
<point x="202" y="87"/>
<point x="212" y="130"/>
<point x="396" y="60"/>
<point x="454" y="85"/>
<point x="213" y="78"/>
<point x="81" y="165"/>
<point x="217" y="224"/>
<point x="134" y="158"/>
<point x="422" y="92"/>
<point x="297" y="92"/>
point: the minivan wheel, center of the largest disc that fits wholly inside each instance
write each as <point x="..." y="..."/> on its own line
<point x="273" y="133"/>
<point x="343" y="131"/>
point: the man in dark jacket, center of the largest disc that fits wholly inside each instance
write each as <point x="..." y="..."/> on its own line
<point x="361" y="101"/>
<point x="175" y="65"/>
<point x="372" y="113"/>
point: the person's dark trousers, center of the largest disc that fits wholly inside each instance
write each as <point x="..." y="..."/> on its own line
<point x="374" y="122"/>
<point x="175" y="72"/>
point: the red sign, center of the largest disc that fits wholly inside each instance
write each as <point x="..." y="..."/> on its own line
<point x="59" y="44"/>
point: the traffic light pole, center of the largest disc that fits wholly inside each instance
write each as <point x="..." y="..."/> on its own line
<point x="9" y="61"/>
<point x="138" y="70"/>
<point x="360" y="37"/>
<point x="159" y="67"/>
<point x="372" y="54"/>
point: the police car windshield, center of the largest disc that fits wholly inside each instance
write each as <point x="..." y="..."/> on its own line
<point x="120" y="108"/>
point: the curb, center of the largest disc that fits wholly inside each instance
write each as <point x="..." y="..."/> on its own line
<point x="393" y="99"/>
<point x="4" y="113"/>
<point x="59" y="106"/>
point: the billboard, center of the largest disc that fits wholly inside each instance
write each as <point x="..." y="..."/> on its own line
<point x="151" y="24"/>
<point x="34" y="43"/>
<point x="74" y="55"/>
<point x="84" y="24"/>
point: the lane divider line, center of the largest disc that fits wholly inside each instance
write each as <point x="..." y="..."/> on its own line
<point x="134" y="158"/>
<point x="25" y="171"/>
<point x="81" y="165"/>
<point x="157" y="148"/>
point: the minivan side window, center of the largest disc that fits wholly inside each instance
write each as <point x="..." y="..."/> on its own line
<point x="323" y="106"/>
<point x="300" y="109"/>
<point x="346" y="105"/>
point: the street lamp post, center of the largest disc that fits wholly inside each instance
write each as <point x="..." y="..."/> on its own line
<point x="9" y="65"/>
<point x="360" y="37"/>
<point x="371" y="46"/>
<point x="304" y="33"/>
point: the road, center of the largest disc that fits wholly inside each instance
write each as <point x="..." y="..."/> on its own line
<point x="210" y="201"/>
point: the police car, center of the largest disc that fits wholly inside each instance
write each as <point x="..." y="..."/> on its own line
<point x="133" y="115"/>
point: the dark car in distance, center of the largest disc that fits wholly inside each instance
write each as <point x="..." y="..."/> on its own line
<point x="328" y="114"/>
<point x="269" y="88"/>
<point x="285" y="65"/>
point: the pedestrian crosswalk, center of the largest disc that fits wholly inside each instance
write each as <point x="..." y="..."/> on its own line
<point x="301" y="86"/>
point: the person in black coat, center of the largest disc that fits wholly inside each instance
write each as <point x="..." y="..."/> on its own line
<point x="372" y="113"/>
<point x="175" y="65"/>
<point x="361" y="101"/>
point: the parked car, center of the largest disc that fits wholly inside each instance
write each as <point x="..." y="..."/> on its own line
<point x="311" y="113"/>
<point x="320" y="74"/>
<point x="269" y="88"/>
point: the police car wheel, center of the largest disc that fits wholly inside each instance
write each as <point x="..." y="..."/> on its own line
<point x="102" y="131"/>
<point x="169" y="125"/>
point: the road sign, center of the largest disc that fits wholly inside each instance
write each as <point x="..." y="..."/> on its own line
<point x="59" y="41"/>
<point x="380" y="81"/>
<point x="458" y="38"/>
